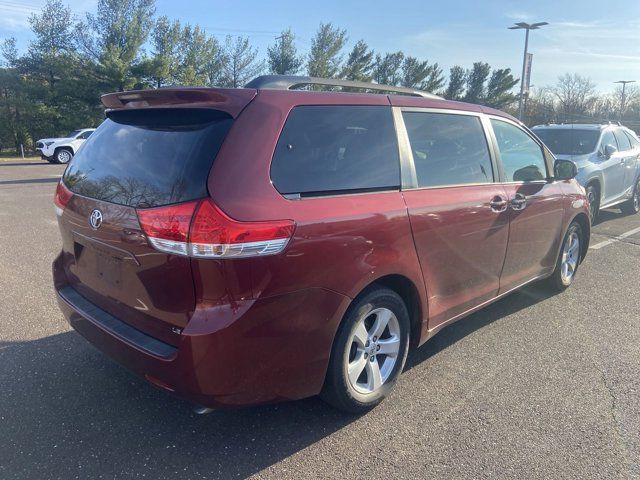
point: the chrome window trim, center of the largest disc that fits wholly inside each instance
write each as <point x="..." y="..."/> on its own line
<point x="408" y="176"/>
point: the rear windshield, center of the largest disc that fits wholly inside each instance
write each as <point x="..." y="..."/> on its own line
<point x="148" y="158"/>
<point x="564" y="141"/>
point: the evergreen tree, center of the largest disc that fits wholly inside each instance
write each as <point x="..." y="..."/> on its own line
<point x="360" y="63"/>
<point x="239" y="63"/>
<point x="162" y="67"/>
<point x="325" y="59"/>
<point x="475" y="82"/>
<point x="421" y="75"/>
<point x="457" y="80"/>
<point x="387" y="68"/>
<point x="113" y="38"/>
<point x="499" y="88"/>
<point x="283" y="56"/>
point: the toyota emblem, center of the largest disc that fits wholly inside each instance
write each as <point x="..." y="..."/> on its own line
<point x="95" y="219"/>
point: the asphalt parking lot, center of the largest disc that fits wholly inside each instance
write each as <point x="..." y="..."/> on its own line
<point x="535" y="386"/>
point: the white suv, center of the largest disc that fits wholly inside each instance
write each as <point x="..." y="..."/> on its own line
<point x="61" y="150"/>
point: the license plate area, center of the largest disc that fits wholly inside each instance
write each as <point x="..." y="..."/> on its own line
<point x="95" y="261"/>
<point x="109" y="269"/>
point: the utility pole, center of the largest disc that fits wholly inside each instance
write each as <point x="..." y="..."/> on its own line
<point x="624" y="85"/>
<point x="527" y="27"/>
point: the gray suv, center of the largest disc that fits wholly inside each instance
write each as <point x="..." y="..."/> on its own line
<point x="608" y="161"/>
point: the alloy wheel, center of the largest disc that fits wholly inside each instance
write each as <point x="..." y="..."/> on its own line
<point x="570" y="257"/>
<point x="64" y="156"/>
<point x="374" y="349"/>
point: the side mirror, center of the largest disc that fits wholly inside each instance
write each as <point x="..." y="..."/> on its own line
<point x="609" y="150"/>
<point x="565" y="170"/>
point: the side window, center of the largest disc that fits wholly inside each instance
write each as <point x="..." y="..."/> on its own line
<point x="85" y="135"/>
<point x="623" y="141"/>
<point x="334" y="149"/>
<point x="448" y="149"/>
<point x="522" y="158"/>
<point x="635" y="143"/>
<point x="607" y="139"/>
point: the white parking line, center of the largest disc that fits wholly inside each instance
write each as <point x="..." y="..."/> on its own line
<point x="615" y="239"/>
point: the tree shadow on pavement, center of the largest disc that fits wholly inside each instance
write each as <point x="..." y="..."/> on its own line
<point x="455" y="332"/>
<point x="66" y="411"/>
<point x="23" y="164"/>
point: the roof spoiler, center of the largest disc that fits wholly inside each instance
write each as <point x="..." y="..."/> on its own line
<point x="228" y="100"/>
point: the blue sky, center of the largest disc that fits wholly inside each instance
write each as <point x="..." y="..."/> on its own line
<point x="594" y="38"/>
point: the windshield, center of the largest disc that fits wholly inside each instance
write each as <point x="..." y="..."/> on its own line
<point x="565" y="141"/>
<point x="149" y="158"/>
<point x="73" y="134"/>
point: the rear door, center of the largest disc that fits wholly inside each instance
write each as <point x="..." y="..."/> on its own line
<point x="612" y="169"/>
<point x="137" y="160"/>
<point x="458" y="210"/>
<point x="536" y="205"/>
<point x="628" y="156"/>
<point x="633" y="167"/>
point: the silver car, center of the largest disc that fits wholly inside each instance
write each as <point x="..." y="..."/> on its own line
<point x="608" y="161"/>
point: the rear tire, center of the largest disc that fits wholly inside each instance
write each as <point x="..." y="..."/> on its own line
<point x="360" y="375"/>
<point x="63" y="155"/>
<point x="632" y="206"/>
<point x="568" y="259"/>
<point x="593" y="194"/>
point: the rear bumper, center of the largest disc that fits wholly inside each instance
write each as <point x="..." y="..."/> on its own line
<point x="247" y="353"/>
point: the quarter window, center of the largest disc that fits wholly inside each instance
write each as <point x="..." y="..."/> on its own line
<point x="336" y="149"/>
<point x="522" y="158"/>
<point x="623" y="141"/>
<point x="448" y="149"/>
<point x="635" y="143"/>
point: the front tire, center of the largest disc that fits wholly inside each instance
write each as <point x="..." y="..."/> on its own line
<point x="632" y="206"/>
<point x="369" y="351"/>
<point x="63" y="155"/>
<point x="568" y="260"/>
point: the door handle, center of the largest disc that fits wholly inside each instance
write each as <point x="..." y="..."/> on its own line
<point x="519" y="202"/>
<point x="498" y="204"/>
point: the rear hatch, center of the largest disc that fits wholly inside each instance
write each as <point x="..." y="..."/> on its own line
<point x="138" y="159"/>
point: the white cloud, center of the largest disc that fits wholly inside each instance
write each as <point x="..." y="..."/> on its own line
<point x="15" y="18"/>
<point x="519" y="16"/>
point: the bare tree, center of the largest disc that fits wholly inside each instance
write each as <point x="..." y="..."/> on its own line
<point x="576" y="95"/>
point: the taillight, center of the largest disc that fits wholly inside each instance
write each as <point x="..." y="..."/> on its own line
<point x="167" y="228"/>
<point x="201" y="229"/>
<point x="61" y="197"/>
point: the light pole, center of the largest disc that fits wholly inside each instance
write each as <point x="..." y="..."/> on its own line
<point x="624" y="84"/>
<point x="527" y="27"/>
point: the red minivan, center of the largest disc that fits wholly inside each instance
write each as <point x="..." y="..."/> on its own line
<point x="243" y="246"/>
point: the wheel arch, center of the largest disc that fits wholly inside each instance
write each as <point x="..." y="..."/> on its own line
<point x="597" y="182"/>
<point x="582" y="220"/>
<point x="64" y="147"/>
<point x="409" y="293"/>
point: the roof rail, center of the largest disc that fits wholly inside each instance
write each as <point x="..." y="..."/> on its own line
<point x="289" y="82"/>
